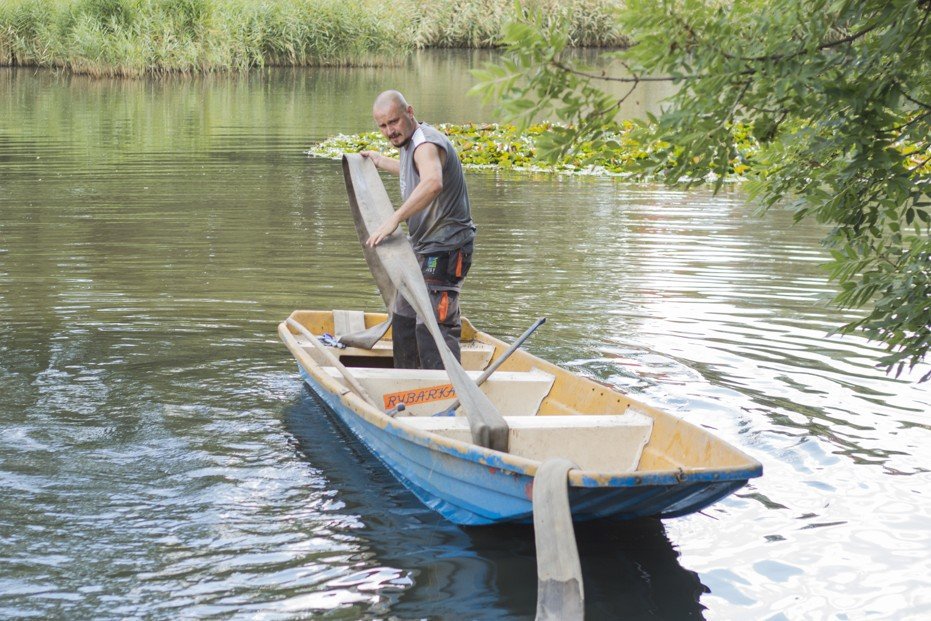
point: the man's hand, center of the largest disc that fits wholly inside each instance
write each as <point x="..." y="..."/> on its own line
<point x="382" y="162"/>
<point x="383" y="232"/>
<point x="372" y="155"/>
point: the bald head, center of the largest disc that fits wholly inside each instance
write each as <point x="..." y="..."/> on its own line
<point x="390" y="101"/>
<point x="394" y="117"/>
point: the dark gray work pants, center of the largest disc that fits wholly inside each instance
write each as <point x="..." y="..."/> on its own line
<point x="414" y="347"/>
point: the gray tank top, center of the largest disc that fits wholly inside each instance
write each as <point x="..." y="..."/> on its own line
<point x="446" y="224"/>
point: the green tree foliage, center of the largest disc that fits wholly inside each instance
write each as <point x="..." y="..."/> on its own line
<point x="837" y="92"/>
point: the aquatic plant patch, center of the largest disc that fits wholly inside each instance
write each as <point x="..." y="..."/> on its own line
<point x="506" y="146"/>
<point x="622" y="153"/>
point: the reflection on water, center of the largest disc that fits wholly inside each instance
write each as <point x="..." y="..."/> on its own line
<point x="480" y="573"/>
<point x="158" y="455"/>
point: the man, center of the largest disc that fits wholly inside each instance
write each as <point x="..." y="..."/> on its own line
<point x="435" y="205"/>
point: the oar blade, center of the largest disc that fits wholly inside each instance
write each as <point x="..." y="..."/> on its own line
<point x="560" y="593"/>
<point x="367" y="217"/>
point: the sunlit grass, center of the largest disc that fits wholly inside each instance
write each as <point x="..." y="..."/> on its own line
<point x="135" y="37"/>
<point x="478" y="23"/>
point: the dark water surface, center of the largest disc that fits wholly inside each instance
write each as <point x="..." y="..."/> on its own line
<point x="160" y="459"/>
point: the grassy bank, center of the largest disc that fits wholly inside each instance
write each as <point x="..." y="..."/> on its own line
<point x="478" y="23"/>
<point x="135" y="37"/>
<point x="132" y="37"/>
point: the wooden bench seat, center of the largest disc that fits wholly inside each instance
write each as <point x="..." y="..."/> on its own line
<point x="607" y="443"/>
<point x="426" y="392"/>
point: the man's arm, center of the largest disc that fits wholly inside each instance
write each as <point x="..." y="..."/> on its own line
<point x="430" y="167"/>
<point x="382" y="162"/>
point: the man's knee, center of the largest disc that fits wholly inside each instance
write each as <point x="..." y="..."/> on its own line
<point x="430" y="357"/>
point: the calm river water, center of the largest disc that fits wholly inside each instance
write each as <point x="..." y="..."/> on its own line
<point x="159" y="457"/>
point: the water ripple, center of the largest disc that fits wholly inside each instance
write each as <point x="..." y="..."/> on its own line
<point x="159" y="458"/>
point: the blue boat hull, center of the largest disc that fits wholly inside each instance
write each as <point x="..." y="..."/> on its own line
<point x="473" y="486"/>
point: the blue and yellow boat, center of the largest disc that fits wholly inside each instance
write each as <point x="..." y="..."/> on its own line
<point x="632" y="460"/>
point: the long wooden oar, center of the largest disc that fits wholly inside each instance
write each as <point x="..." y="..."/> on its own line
<point x="366" y="339"/>
<point x="560" y="594"/>
<point x="395" y="259"/>
<point x="334" y="361"/>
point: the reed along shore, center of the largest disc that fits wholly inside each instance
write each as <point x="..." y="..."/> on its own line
<point x="136" y="37"/>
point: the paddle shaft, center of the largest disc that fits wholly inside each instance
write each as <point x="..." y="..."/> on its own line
<point x="502" y="358"/>
<point x="334" y="361"/>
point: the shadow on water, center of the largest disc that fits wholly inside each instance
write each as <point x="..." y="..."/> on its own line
<point x="631" y="569"/>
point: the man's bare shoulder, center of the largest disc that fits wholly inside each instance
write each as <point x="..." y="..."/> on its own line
<point x="429" y="151"/>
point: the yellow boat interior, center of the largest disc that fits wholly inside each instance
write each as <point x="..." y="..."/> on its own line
<point x="550" y="411"/>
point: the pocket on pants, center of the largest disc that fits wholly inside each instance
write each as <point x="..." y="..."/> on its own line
<point x="445" y="307"/>
<point x="458" y="265"/>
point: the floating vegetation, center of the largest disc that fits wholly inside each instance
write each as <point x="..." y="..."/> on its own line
<point x="622" y="154"/>
<point x="506" y="147"/>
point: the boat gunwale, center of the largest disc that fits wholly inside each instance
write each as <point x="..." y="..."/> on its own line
<point x="508" y="463"/>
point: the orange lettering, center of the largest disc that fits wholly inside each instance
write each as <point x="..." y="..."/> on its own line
<point x="413" y="397"/>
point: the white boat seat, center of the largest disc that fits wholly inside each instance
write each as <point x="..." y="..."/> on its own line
<point x="426" y="392"/>
<point x="606" y="442"/>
